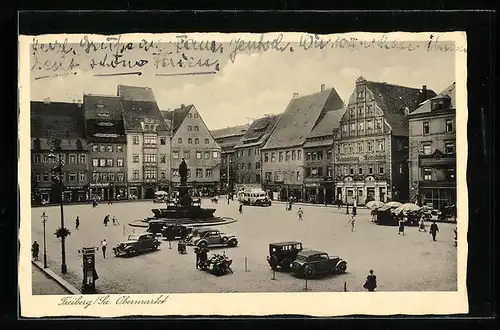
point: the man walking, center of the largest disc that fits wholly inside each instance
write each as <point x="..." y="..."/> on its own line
<point x="77" y="223"/>
<point x="352" y="221"/>
<point x="106" y="220"/>
<point x="240" y="208"/>
<point x="401" y="225"/>
<point x="434" y="230"/>
<point x="371" y="282"/>
<point x="104" y="245"/>
<point x="197" y="253"/>
<point x="35" y="249"/>
<point x="300" y="213"/>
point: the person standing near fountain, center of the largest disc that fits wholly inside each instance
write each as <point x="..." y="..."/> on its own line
<point x="183" y="172"/>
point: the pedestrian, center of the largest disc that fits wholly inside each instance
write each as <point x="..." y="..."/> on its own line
<point x="300" y="213"/>
<point x="115" y="221"/>
<point x="35" y="249"/>
<point x="401" y="226"/>
<point x="421" y="225"/>
<point x="240" y="208"/>
<point x="371" y="282"/>
<point x="77" y="223"/>
<point x="104" y="245"/>
<point x="352" y="221"/>
<point x="434" y="230"/>
<point x="106" y="220"/>
<point x="456" y="235"/>
<point x="374" y="215"/>
<point x="197" y="253"/>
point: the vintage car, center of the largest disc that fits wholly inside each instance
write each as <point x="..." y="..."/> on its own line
<point x="257" y="197"/>
<point x="311" y="263"/>
<point x="282" y="254"/>
<point x="212" y="238"/>
<point x="135" y="244"/>
<point x="173" y="231"/>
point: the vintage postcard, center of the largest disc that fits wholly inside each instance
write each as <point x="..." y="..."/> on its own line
<point x="243" y="174"/>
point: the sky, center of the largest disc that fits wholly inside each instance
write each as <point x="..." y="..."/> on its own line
<point x="255" y="84"/>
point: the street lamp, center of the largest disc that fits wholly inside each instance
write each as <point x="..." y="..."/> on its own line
<point x="59" y="169"/>
<point x="44" y="220"/>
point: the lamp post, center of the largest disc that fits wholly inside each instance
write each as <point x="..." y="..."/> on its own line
<point x="59" y="170"/>
<point x="44" y="220"/>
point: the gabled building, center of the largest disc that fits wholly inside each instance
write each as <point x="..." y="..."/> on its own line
<point x="318" y="159"/>
<point x="107" y="147"/>
<point x="58" y="128"/>
<point x="227" y="138"/>
<point x="282" y="154"/>
<point x="148" y="142"/>
<point x="371" y="148"/>
<point x="248" y="160"/>
<point x="192" y="140"/>
<point x="432" y="134"/>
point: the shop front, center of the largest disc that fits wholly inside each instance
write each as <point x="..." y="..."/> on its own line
<point x="361" y="191"/>
<point x="438" y="194"/>
<point x="74" y="194"/>
<point x="40" y="195"/>
<point x="107" y="191"/>
<point x="134" y="192"/>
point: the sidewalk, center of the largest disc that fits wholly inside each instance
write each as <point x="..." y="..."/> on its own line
<point x="321" y="205"/>
<point x="42" y="284"/>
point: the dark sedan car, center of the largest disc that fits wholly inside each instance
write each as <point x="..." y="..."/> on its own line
<point x="311" y="263"/>
<point x="136" y="244"/>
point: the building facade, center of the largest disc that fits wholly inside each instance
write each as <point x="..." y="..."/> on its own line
<point x="107" y="147"/>
<point x="371" y="146"/>
<point x="58" y="128"/>
<point x="282" y="156"/>
<point x="432" y="129"/>
<point x="227" y="138"/>
<point x="148" y="142"/>
<point x="318" y="159"/>
<point x="192" y="141"/>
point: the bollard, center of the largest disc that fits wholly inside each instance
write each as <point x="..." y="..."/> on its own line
<point x="274" y="274"/>
<point x="123" y="230"/>
<point x="345" y="286"/>
<point x="169" y="244"/>
<point x="305" y="289"/>
<point x="246" y="265"/>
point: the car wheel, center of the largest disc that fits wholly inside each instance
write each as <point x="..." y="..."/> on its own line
<point x="155" y="246"/>
<point x="233" y="243"/>
<point x="309" y="272"/>
<point x="224" y="240"/>
<point x="203" y="244"/>
<point x="130" y="253"/>
<point x="342" y="267"/>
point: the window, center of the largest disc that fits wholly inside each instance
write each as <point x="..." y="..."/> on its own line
<point x="196" y="128"/>
<point x="360" y="110"/>
<point x="149" y="158"/>
<point x="360" y="94"/>
<point x="72" y="177"/>
<point x="109" y="162"/>
<point x="199" y="173"/>
<point x="190" y="128"/>
<point x="83" y="176"/>
<point x="175" y="172"/>
<point x="320" y="155"/>
<point x="135" y="158"/>
<point x="150" y="174"/>
<point x="111" y="176"/>
<point x="187" y="154"/>
<point x="329" y="171"/>
<point x="380" y="145"/>
<point x="278" y="176"/>
<point x="378" y="124"/>
<point x="425" y="127"/>
<point x="102" y="148"/>
<point x="149" y="139"/>
<point x="206" y="155"/>
<point x="95" y="148"/>
<point x="179" y="141"/>
<point x="294" y="155"/>
<point x="299" y="154"/>
<point x="298" y="176"/>
<point x="120" y="176"/>
<point x="280" y="156"/>
<point x="353" y="127"/>
<point x="449" y="147"/>
<point x="249" y="166"/>
<point x="426" y="148"/>
<point x="273" y="157"/>
<point x="46" y="176"/>
<point x="369" y="125"/>
<point x="381" y="170"/>
<point x="175" y="154"/>
<point x="451" y="174"/>
<point x="95" y="177"/>
<point x="449" y="125"/>
<point x="344" y="128"/>
<point x="135" y="139"/>
<point x="257" y="165"/>
<point x="198" y="155"/>
<point x="36" y="158"/>
<point x="360" y="170"/>
<point x="368" y="109"/>
<point x="360" y="146"/>
<point x="162" y="174"/>
<point x="109" y="148"/>
<point x="72" y="159"/>
<point x="119" y="162"/>
<point x="427" y="174"/>
<point x="95" y="162"/>
<point x="102" y="162"/>
<point x="266" y="157"/>
<point x="352" y="112"/>
<point x="196" y="141"/>
<point x="351" y="148"/>
<point x="308" y="156"/>
<point x="163" y="158"/>
<point x="208" y="173"/>
<point x="369" y="146"/>
<point x="215" y="154"/>
<point x="82" y="159"/>
<point x="195" y="115"/>
<point x="370" y="170"/>
<point x="190" y="141"/>
<point x="287" y="156"/>
<point x="207" y="141"/>
<point x="351" y="171"/>
<point x="103" y="176"/>
<point x="249" y="152"/>
<point x="190" y="115"/>
<point x="339" y="148"/>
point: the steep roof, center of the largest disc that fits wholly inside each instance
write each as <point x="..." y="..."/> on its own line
<point x="259" y="130"/>
<point x="136" y="93"/>
<point x="300" y="116"/>
<point x="447" y="92"/>
<point x="57" y="119"/>
<point x="178" y="115"/>
<point x="102" y="107"/>
<point x="135" y="112"/>
<point x="392" y="99"/>
<point x="328" y="123"/>
<point x="227" y="132"/>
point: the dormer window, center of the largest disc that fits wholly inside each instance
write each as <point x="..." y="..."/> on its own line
<point x="361" y="94"/>
<point x="440" y="103"/>
<point x="103" y="114"/>
<point x="100" y="106"/>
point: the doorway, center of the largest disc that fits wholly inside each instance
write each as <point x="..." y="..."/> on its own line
<point x="150" y="193"/>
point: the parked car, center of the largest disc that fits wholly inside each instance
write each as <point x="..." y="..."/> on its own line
<point x="172" y="231"/>
<point x="311" y="263"/>
<point x="282" y="254"/>
<point x="135" y="244"/>
<point x="213" y="238"/>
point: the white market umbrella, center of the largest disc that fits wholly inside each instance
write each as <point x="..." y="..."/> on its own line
<point x="408" y="207"/>
<point x="374" y="204"/>
<point x="161" y="193"/>
<point x="394" y="204"/>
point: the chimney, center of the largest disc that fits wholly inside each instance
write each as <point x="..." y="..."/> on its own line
<point x="295" y="95"/>
<point x="424" y="92"/>
<point x="79" y="102"/>
<point x="46" y="100"/>
<point x="182" y="106"/>
<point x="323" y="87"/>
